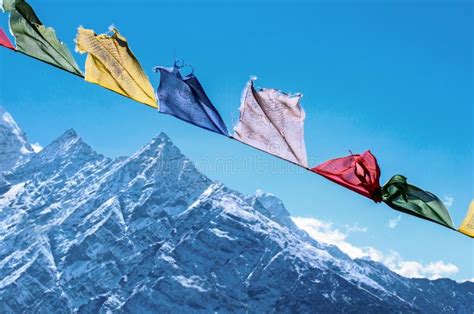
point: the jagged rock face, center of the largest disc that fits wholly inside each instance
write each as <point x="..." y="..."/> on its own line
<point x="14" y="147"/>
<point x="271" y="206"/>
<point x="150" y="233"/>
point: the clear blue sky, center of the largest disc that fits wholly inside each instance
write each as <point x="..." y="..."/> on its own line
<point x="393" y="77"/>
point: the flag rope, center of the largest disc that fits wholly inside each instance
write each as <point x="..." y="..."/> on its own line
<point x="228" y="136"/>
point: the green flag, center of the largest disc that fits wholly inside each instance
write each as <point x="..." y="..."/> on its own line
<point x="36" y="40"/>
<point x="400" y="195"/>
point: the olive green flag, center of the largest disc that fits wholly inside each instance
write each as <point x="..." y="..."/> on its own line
<point x="404" y="197"/>
<point x="36" y="40"/>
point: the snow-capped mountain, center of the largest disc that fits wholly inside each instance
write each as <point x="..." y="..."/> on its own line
<point x="151" y="234"/>
<point x="14" y="147"/>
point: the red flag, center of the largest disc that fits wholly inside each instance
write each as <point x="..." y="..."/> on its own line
<point x="4" y="41"/>
<point x="359" y="173"/>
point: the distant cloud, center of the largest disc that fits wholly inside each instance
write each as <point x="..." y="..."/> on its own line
<point x="325" y="232"/>
<point x="393" y="223"/>
<point x="448" y="201"/>
<point x="355" y="228"/>
<point x="441" y="269"/>
<point x="37" y="147"/>
<point x="413" y="269"/>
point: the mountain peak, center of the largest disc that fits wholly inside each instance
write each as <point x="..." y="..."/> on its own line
<point x="160" y="140"/>
<point x="7" y="120"/>
<point x="69" y="133"/>
<point x="270" y="202"/>
<point x="260" y="193"/>
<point x="68" y="145"/>
<point x="163" y="137"/>
<point x="64" y="142"/>
<point x="271" y="206"/>
<point x="67" y="154"/>
<point x="160" y="146"/>
<point x="14" y="147"/>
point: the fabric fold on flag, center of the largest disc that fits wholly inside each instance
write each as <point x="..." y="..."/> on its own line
<point x="467" y="226"/>
<point x="36" y="40"/>
<point x="272" y="121"/>
<point x="111" y="64"/>
<point x="5" y="41"/>
<point x="184" y="98"/>
<point x="404" y="197"/>
<point x="359" y="173"/>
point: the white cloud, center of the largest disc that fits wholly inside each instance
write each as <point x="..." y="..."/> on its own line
<point x="355" y="228"/>
<point x="448" y="201"/>
<point x="393" y="223"/>
<point x="414" y="269"/>
<point x="327" y="233"/>
<point x="37" y="147"/>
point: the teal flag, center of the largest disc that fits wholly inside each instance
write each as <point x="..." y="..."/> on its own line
<point x="404" y="197"/>
<point x="36" y="40"/>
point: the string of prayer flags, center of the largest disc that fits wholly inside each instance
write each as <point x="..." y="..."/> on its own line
<point x="359" y="173"/>
<point x="270" y="120"/>
<point x="273" y="122"/>
<point x="5" y="41"/>
<point x="36" y="40"/>
<point x="111" y="64"/>
<point x="401" y="196"/>
<point x="467" y="226"/>
<point x="184" y="98"/>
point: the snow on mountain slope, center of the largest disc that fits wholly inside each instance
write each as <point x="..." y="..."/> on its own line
<point x="270" y="205"/>
<point x="150" y="233"/>
<point x="14" y="147"/>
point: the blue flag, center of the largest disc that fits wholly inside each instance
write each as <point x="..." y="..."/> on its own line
<point x="184" y="98"/>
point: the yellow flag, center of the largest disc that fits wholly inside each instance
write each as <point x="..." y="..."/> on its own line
<point x="467" y="226"/>
<point x="111" y="64"/>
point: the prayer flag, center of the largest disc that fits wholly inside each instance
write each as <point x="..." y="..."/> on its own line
<point x="110" y="63"/>
<point x="4" y="41"/>
<point x="467" y="226"/>
<point x="184" y="98"/>
<point x="401" y="196"/>
<point x="359" y="173"/>
<point x="36" y="40"/>
<point x="272" y="121"/>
